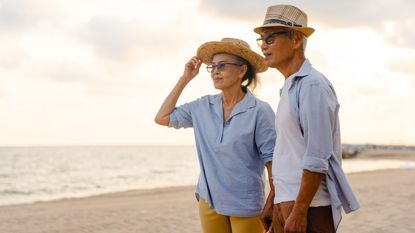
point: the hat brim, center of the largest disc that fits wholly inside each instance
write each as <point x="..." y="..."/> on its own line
<point x="207" y="50"/>
<point x="307" y="31"/>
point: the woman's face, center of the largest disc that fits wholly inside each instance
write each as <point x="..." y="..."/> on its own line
<point x="227" y="72"/>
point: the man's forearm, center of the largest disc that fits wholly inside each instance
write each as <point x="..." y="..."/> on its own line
<point x="310" y="183"/>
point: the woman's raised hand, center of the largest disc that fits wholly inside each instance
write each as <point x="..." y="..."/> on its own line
<point x="191" y="69"/>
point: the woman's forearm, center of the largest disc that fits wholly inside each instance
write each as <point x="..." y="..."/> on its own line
<point x="269" y="171"/>
<point x="163" y="115"/>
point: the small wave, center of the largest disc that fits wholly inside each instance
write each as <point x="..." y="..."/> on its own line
<point x="15" y="192"/>
<point x="6" y="175"/>
<point x="162" y="171"/>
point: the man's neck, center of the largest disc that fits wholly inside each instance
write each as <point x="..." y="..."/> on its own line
<point x="292" y="66"/>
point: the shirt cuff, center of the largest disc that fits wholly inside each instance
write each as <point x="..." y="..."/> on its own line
<point x="267" y="159"/>
<point x="173" y="123"/>
<point x="315" y="164"/>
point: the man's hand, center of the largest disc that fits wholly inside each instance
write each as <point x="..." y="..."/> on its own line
<point x="296" y="223"/>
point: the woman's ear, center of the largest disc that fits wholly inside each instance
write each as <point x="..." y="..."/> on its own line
<point x="242" y="71"/>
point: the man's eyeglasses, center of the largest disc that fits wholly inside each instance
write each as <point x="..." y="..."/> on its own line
<point x="220" y="66"/>
<point x="270" y="38"/>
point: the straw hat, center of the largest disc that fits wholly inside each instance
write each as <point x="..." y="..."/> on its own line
<point x="232" y="46"/>
<point x="286" y="16"/>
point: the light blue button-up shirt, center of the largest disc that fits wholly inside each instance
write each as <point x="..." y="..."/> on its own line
<point x="232" y="154"/>
<point x="314" y="103"/>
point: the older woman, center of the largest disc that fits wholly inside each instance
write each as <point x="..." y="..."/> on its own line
<point x="234" y="133"/>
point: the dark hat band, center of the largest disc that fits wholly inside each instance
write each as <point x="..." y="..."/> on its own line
<point x="269" y="21"/>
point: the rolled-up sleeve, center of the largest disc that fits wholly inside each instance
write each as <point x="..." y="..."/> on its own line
<point x="318" y="107"/>
<point x="265" y="134"/>
<point x="181" y="117"/>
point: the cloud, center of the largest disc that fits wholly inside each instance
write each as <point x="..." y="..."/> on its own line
<point x="372" y="91"/>
<point x="234" y="9"/>
<point x="334" y="14"/>
<point x="111" y="87"/>
<point x="18" y="15"/>
<point x="404" y="65"/>
<point x="103" y="56"/>
<point x="400" y="32"/>
<point x="118" y="40"/>
<point x="12" y="58"/>
<point x="67" y="72"/>
<point x="111" y="39"/>
<point x="86" y="79"/>
<point x="358" y="13"/>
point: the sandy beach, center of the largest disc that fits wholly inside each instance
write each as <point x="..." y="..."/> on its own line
<point x="386" y="198"/>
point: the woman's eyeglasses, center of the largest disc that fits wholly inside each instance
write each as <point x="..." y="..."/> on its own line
<point x="220" y="66"/>
<point x="270" y="38"/>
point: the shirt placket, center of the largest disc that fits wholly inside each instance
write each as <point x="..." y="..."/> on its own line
<point x="221" y="125"/>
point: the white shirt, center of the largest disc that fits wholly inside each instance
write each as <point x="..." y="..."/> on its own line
<point x="314" y="105"/>
<point x="289" y="151"/>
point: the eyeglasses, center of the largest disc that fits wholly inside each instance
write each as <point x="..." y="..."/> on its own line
<point x="270" y="38"/>
<point x="220" y="66"/>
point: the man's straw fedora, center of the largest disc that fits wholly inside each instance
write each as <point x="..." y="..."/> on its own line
<point x="285" y="16"/>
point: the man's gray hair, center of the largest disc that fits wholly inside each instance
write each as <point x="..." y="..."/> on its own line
<point x="291" y="34"/>
<point x="304" y="42"/>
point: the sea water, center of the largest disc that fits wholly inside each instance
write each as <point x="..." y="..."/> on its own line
<point x="31" y="174"/>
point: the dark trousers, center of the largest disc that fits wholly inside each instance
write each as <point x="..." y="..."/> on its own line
<point x="319" y="219"/>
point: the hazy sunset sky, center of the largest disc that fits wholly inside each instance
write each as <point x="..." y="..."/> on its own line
<point x="94" y="72"/>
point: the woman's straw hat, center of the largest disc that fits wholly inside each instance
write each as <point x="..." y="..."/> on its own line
<point x="232" y="46"/>
<point x="286" y="16"/>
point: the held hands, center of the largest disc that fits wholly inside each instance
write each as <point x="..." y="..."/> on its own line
<point x="266" y="215"/>
<point x="266" y="219"/>
<point x="191" y="68"/>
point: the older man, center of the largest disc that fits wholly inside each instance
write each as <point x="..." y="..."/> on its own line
<point x="310" y="185"/>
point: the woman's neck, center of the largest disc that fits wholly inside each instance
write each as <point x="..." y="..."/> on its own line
<point x="231" y="97"/>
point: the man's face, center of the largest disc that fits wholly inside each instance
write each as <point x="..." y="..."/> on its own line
<point x="277" y="45"/>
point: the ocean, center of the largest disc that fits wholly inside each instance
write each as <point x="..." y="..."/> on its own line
<point x="32" y="174"/>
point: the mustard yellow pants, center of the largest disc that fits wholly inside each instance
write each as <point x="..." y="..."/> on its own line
<point x="213" y="222"/>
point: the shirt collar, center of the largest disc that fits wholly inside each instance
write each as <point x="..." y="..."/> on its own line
<point x="246" y="103"/>
<point x="304" y="70"/>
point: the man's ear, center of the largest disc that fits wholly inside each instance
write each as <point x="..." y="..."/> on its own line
<point x="298" y="39"/>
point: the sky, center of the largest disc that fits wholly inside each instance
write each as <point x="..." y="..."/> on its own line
<point x="94" y="72"/>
